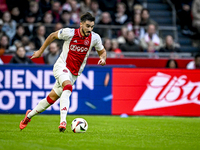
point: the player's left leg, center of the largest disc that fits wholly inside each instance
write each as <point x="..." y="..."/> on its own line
<point x="42" y="105"/>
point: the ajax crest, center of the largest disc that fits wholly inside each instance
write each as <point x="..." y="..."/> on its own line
<point x="86" y="42"/>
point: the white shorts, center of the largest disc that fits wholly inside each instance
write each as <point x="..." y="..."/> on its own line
<point x="62" y="74"/>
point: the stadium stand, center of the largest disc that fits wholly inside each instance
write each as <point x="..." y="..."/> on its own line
<point x="163" y="12"/>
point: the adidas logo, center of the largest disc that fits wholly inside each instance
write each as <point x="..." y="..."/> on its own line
<point x="64" y="109"/>
<point x="75" y="41"/>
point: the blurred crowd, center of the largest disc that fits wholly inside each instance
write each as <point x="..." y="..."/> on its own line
<point x="25" y="24"/>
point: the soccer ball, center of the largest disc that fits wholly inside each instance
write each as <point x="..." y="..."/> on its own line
<point x="79" y="125"/>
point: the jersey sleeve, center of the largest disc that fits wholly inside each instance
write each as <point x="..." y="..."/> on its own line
<point x="98" y="43"/>
<point x="64" y="33"/>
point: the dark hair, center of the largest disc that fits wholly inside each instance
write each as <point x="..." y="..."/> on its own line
<point x="66" y="11"/>
<point x="55" y="43"/>
<point x="87" y="16"/>
<point x="168" y="62"/>
<point x="144" y="9"/>
<point x="19" y="25"/>
<point x="20" y="47"/>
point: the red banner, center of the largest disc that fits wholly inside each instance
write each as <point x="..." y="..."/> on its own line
<point x="169" y="92"/>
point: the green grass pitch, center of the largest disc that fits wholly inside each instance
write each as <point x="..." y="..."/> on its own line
<point x="104" y="132"/>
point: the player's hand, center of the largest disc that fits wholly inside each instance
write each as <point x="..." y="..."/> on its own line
<point x="36" y="54"/>
<point x="102" y="62"/>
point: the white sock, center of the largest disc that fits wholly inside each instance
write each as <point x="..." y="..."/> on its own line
<point x="64" y="104"/>
<point x="42" y="106"/>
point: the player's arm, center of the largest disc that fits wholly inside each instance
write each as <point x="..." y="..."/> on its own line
<point x="48" y="40"/>
<point x="102" y="55"/>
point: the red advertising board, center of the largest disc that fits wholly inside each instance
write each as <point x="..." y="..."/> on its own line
<point x="168" y="92"/>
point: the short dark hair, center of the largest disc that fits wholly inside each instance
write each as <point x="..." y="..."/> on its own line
<point x="145" y="9"/>
<point x="168" y="62"/>
<point x="19" y="25"/>
<point x="21" y="47"/>
<point x="87" y="16"/>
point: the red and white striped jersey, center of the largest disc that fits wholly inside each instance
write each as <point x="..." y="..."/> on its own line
<point x="76" y="49"/>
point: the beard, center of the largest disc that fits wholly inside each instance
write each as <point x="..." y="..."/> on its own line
<point x="85" y="33"/>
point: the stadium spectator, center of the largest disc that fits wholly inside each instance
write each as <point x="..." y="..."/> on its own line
<point x="35" y="10"/>
<point x="183" y="9"/>
<point x="9" y="26"/>
<point x="20" y="57"/>
<point x="170" y="45"/>
<point x="53" y="54"/>
<point x="135" y="26"/>
<point x="13" y="48"/>
<point x="23" y="5"/>
<point x="19" y="33"/>
<point x="196" y="15"/>
<point x="117" y="52"/>
<point x="145" y="18"/>
<point x="48" y="20"/>
<point x="151" y="36"/>
<point x="75" y="13"/>
<point x="122" y="38"/>
<point x="69" y="65"/>
<point x="137" y="9"/>
<point x="85" y="6"/>
<point x="28" y="45"/>
<point x="150" y="48"/>
<point x="105" y="20"/>
<point x="129" y="7"/>
<point x="131" y="44"/>
<point x="56" y="11"/>
<point x="30" y="29"/>
<point x="25" y="41"/>
<point x="107" y="44"/>
<point x="195" y="64"/>
<point x="58" y="26"/>
<point x="67" y="6"/>
<point x="152" y="52"/>
<point x="4" y="44"/>
<point x="45" y="5"/>
<point x="95" y="11"/>
<point x="120" y="16"/>
<point x="16" y="15"/>
<point x="171" y="63"/>
<point x="66" y="19"/>
<point x="39" y="38"/>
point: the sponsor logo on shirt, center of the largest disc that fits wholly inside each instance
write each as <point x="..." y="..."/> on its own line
<point x="78" y="48"/>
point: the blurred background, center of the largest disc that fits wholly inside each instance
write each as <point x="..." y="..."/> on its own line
<point x="132" y="29"/>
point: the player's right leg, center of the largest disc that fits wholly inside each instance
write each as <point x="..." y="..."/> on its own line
<point x="42" y="106"/>
<point x="64" y="104"/>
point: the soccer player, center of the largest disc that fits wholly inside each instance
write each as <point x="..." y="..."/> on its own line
<point x="71" y="62"/>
